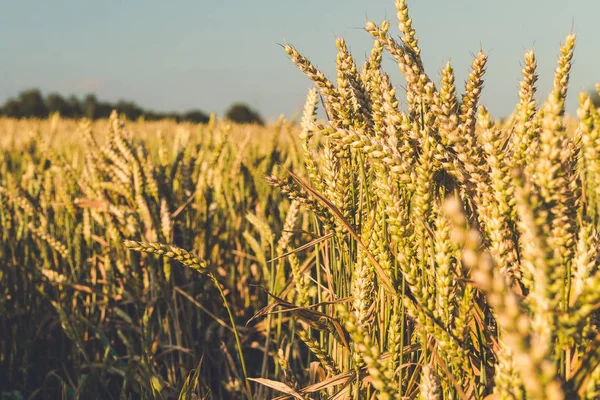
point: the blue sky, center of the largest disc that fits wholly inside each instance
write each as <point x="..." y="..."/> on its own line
<point x="176" y="55"/>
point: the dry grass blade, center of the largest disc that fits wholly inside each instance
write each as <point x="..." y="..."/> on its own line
<point x="304" y="247"/>
<point x="279" y="386"/>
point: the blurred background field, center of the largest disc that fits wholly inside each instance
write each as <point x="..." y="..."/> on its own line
<point x="79" y="312"/>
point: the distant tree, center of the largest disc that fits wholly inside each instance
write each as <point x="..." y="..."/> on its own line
<point x="196" y="116"/>
<point x="12" y="109"/>
<point x="104" y="109"/>
<point x="152" y="116"/>
<point x="595" y="98"/>
<point x="90" y="104"/>
<point x="75" y="107"/>
<point x="31" y="104"/>
<point x="170" y="115"/>
<point x="56" y="103"/>
<point x="129" y="108"/>
<point x="243" y="114"/>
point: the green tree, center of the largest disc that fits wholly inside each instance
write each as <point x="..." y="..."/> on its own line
<point x="129" y="108"/>
<point x="595" y="98"/>
<point x="31" y="104"/>
<point x="11" y="109"/>
<point x="243" y="114"/>
<point x="75" y="106"/>
<point x="56" y="103"/>
<point x="196" y="116"/>
<point x="90" y="104"/>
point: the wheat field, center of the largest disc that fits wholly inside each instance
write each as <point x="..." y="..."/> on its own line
<point x="406" y="246"/>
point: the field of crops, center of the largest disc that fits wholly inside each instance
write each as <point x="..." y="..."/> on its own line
<point x="407" y="246"/>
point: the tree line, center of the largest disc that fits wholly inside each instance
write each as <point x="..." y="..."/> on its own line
<point x="32" y="103"/>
